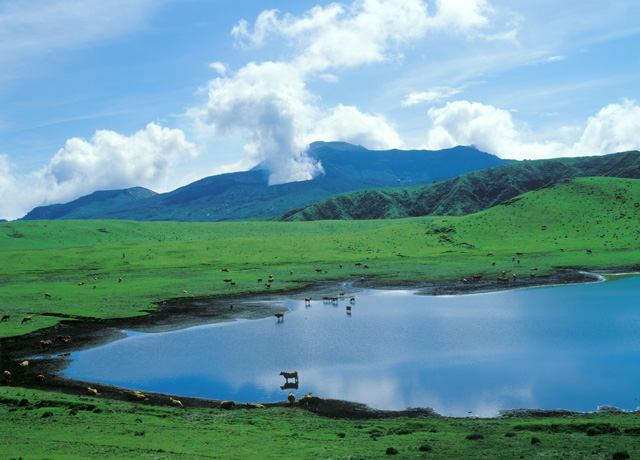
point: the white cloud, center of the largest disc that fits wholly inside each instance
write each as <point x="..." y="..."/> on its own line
<point x="219" y="67"/>
<point x="109" y="161"/>
<point x="464" y="16"/>
<point x="348" y="124"/>
<point x="432" y="95"/>
<point x="612" y="129"/>
<point x="270" y="103"/>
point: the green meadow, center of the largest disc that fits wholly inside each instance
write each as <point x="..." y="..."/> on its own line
<point x="114" y="269"/>
<point x="80" y="263"/>
<point x="41" y="425"/>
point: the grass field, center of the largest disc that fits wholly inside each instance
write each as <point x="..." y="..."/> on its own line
<point x="39" y="425"/>
<point x="552" y="227"/>
<point x="590" y="223"/>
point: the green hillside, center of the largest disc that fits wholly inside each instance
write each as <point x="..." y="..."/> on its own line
<point x="161" y="260"/>
<point x="465" y="194"/>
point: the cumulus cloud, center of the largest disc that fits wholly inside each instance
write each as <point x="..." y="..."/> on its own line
<point x="270" y="103"/>
<point x="348" y="124"/>
<point x="612" y="129"/>
<point x="108" y="161"/>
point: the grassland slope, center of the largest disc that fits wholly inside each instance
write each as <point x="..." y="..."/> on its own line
<point x="116" y="269"/>
<point x="465" y="194"/>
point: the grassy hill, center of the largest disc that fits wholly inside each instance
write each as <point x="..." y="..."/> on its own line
<point x="159" y="260"/>
<point x="465" y="194"/>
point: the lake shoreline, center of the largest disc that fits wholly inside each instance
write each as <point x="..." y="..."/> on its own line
<point x="181" y="313"/>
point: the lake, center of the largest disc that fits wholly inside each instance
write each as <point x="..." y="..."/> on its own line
<point x="568" y="347"/>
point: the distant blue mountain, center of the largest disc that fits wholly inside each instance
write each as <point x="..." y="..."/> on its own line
<point x="247" y="195"/>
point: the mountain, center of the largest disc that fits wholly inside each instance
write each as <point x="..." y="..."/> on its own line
<point x="468" y="193"/>
<point x="105" y="202"/>
<point x="248" y="195"/>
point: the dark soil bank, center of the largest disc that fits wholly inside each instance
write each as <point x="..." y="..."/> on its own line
<point x="181" y="313"/>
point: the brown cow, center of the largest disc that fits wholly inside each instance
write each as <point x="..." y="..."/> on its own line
<point x="7" y="375"/>
<point x="175" y="402"/>
<point x="307" y="300"/>
<point x="135" y="395"/>
<point x="310" y="402"/>
<point x="92" y="391"/>
<point x="26" y="319"/>
<point x="254" y="406"/>
<point x="47" y="295"/>
<point x="279" y="315"/>
<point x="6" y="318"/>
<point x="291" y="398"/>
<point x="45" y="344"/>
<point x="228" y="405"/>
<point x="225" y="270"/>
<point x="290" y="375"/>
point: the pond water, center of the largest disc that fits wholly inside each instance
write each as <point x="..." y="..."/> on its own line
<point x="569" y="347"/>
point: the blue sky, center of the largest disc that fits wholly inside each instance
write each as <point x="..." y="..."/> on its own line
<point x="105" y="95"/>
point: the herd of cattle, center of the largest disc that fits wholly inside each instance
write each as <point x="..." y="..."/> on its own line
<point x="309" y="401"/>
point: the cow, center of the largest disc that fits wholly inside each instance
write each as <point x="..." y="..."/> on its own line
<point x="26" y="319"/>
<point x="259" y="280"/>
<point x="7" y="375"/>
<point x="39" y="378"/>
<point x="290" y="375"/>
<point x="291" y="398"/>
<point x="92" y="391"/>
<point x="228" y="280"/>
<point x="45" y="344"/>
<point x="348" y="309"/>
<point x="228" y="405"/>
<point x="5" y="318"/>
<point x="279" y="315"/>
<point x="268" y="286"/>
<point x="254" y="406"/>
<point x="47" y="295"/>
<point x="225" y="270"/>
<point x="23" y="365"/>
<point x="307" y="300"/>
<point x="135" y="395"/>
<point x="310" y="402"/>
<point x="175" y="402"/>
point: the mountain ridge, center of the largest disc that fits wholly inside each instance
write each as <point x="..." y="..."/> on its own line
<point x="248" y="195"/>
<point x="467" y="193"/>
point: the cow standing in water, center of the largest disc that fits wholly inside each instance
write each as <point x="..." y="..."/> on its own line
<point x="290" y="375"/>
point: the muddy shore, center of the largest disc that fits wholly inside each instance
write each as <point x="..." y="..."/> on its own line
<point x="181" y="313"/>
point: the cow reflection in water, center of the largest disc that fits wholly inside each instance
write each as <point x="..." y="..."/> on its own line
<point x="290" y="386"/>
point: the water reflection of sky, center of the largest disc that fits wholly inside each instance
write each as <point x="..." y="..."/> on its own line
<point x="573" y="347"/>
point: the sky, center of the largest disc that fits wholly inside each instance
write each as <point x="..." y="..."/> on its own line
<point x="159" y="93"/>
